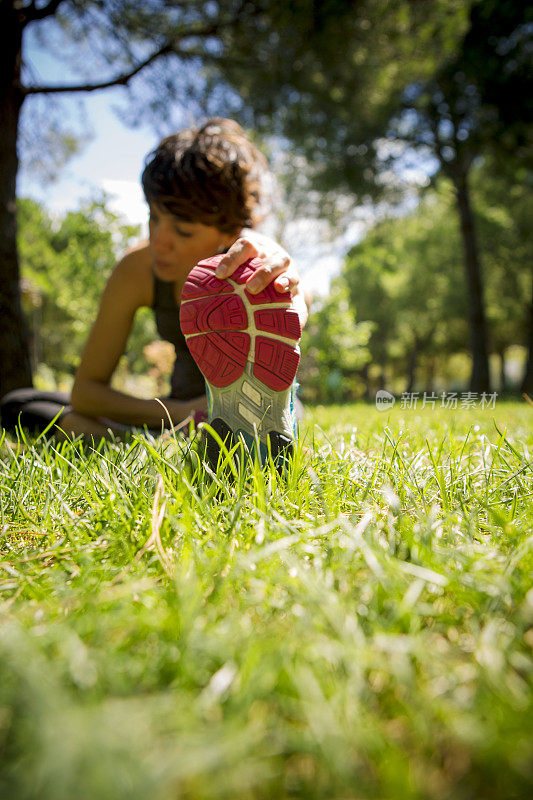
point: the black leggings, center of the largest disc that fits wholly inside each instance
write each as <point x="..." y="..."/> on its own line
<point x="33" y="409"/>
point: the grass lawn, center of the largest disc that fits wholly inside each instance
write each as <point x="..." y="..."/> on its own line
<point x="360" y="629"/>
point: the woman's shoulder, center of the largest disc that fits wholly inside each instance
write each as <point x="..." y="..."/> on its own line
<point x="138" y="257"/>
<point x="134" y="272"/>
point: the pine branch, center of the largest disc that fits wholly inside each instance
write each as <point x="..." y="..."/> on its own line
<point x="119" y="80"/>
<point x="124" y="78"/>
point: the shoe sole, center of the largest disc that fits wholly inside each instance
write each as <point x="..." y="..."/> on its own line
<point x="246" y="346"/>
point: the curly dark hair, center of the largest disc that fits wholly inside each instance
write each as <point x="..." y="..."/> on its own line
<point x="210" y="174"/>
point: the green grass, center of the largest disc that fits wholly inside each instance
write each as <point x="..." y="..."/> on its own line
<point x="360" y="629"/>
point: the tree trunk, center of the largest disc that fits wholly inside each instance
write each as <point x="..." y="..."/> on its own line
<point x="382" y="381"/>
<point x="15" y="369"/>
<point x="479" y="380"/>
<point x="430" y="374"/>
<point x="527" y="381"/>
<point x="411" y="368"/>
<point x="366" y="380"/>
<point x="503" y="377"/>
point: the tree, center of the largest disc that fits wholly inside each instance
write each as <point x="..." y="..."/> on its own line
<point x="335" y="348"/>
<point x="504" y="209"/>
<point x="107" y="43"/>
<point x="500" y="40"/>
<point x="405" y="277"/>
<point x="413" y="84"/>
<point x="463" y="111"/>
<point x="331" y="75"/>
<point x="65" y="264"/>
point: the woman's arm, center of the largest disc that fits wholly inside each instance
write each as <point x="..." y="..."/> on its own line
<point x="127" y="290"/>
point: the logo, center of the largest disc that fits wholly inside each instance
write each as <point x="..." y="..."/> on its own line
<point x="384" y="400"/>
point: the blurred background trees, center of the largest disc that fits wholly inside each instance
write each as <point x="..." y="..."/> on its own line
<point x="406" y="276"/>
<point x="335" y="350"/>
<point x="65" y="263"/>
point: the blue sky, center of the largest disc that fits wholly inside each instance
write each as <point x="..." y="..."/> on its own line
<point x="113" y="159"/>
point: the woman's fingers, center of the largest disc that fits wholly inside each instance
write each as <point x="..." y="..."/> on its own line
<point x="239" y="252"/>
<point x="275" y="267"/>
<point x="288" y="281"/>
<point x="281" y="272"/>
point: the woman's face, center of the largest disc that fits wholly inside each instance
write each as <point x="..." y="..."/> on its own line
<point x="177" y="246"/>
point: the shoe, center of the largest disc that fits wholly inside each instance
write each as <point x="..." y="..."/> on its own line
<point x="246" y="346"/>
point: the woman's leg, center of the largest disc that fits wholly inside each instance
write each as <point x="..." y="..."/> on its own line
<point x="36" y="410"/>
<point x="32" y="408"/>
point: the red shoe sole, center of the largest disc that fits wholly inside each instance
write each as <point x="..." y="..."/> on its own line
<point x="224" y="330"/>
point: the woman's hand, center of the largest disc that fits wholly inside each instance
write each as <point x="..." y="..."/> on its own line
<point x="182" y="409"/>
<point x="276" y="267"/>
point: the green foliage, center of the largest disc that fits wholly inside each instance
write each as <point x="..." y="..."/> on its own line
<point x="330" y="77"/>
<point x="406" y="276"/>
<point x="363" y="90"/>
<point x="65" y="266"/>
<point x="479" y="101"/>
<point x="334" y="348"/>
<point x="504" y="208"/>
<point x="362" y="628"/>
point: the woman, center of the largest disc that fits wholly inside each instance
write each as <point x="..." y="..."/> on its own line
<point x="202" y="186"/>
